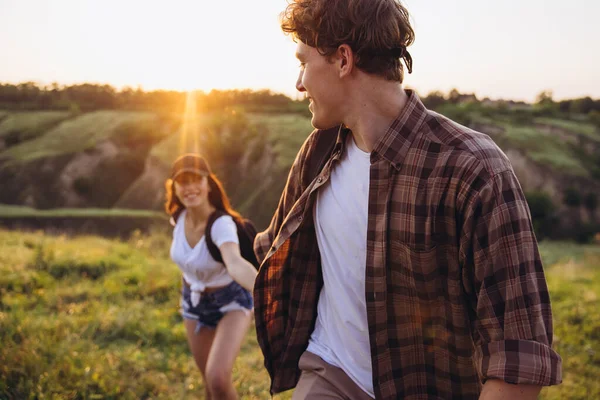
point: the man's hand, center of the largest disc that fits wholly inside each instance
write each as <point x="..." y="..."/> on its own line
<point x="495" y="389"/>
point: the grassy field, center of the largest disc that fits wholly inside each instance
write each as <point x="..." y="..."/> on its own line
<point x="287" y="132"/>
<point x="582" y="128"/>
<point x="9" y="211"/>
<point x="30" y="124"/>
<point x="50" y="133"/>
<point x="76" y="134"/>
<point x="91" y="318"/>
<point x="544" y="149"/>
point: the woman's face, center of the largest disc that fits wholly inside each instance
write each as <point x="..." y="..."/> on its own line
<point x="192" y="189"/>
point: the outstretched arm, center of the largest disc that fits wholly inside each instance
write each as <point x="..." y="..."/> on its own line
<point x="240" y="270"/>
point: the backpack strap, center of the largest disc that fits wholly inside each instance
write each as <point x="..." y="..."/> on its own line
<point x="212" y="247"/>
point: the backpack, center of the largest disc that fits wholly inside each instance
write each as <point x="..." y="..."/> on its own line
<point x="245" y="228"/>
<point x="246" y="233"/>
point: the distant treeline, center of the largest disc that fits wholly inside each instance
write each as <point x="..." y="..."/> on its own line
<point x="462" y="107"/>
<point x="89" y="97"/>
<point x="544" y="102"/>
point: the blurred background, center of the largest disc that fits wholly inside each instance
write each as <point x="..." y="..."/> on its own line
<point x="98" y="98"/>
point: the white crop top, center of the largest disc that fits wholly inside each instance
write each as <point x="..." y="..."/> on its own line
<point x="199" y="268"/>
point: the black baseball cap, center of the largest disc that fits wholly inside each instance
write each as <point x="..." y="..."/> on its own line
<point x="193" y="163"/>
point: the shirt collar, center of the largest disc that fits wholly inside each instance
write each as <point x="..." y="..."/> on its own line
<point x="395" y="143"/>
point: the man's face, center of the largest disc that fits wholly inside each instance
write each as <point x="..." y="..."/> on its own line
<point x="319" y="79"/>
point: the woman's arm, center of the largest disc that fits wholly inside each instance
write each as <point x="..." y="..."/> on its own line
<point x="240" y="270"/>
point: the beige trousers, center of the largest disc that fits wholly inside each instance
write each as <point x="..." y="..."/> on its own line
<point x="322" y="381"/>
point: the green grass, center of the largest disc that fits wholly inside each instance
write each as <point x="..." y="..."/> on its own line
<point x="542" y="148"/>
<point x="76" y="134"/>
<point x="31" y="124"/>
<point x="286" y="132"/>
<point x="88" y="317"/>
<point x="573" y="274"/>
<point x="169" y="148"/>
<point x="10" y="211"/>
<point x="184" y="140"/>
<point x="578" y="127"/>
<point x="91" y="318"/>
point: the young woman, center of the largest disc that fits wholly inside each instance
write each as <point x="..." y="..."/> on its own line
<point x="216" y="301"/>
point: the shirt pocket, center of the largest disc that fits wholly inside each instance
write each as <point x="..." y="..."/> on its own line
<point x="417" y="271"/>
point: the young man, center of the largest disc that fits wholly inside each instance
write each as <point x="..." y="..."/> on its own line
<point x="401" y="262"/>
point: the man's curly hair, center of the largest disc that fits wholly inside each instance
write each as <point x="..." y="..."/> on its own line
<point x="377" y="31"/>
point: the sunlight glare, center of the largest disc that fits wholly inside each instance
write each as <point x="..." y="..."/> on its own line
<point x="190" y="128"/>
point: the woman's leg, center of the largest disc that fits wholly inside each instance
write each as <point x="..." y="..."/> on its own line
<point x="228" y="339"/>
<point x="200" y="345"/>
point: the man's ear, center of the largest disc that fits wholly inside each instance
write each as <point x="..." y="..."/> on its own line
<point x="345" y="60"/>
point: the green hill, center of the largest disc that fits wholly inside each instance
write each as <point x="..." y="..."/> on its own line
<point x="121" y="158"/>
<point x="74" y="135"/>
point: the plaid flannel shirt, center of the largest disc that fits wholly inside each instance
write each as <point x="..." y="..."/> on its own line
<point x="455" y="288"/>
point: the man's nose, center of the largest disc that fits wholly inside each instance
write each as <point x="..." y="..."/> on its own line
<point x="299" y="86"/>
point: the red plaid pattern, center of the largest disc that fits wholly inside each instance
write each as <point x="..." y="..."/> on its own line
<point x="455" y="288"/>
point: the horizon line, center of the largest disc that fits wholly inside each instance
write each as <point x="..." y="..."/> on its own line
<point x="293" y="95"/>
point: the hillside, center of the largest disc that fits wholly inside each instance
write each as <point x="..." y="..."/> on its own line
<point x="55" y="159"/>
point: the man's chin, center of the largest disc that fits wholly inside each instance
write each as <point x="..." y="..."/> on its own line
<point x="323" y="125"/>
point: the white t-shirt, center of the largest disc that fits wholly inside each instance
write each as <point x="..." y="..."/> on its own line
<point x="341" y="335"/>
<point x="199" y="268"/>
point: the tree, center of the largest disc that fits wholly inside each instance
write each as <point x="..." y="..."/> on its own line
<point x="583" y="105"/>
<point x="454" y="96"/>
<point x="434" y="100"/>
<point x="544" y="98"/>
<point x="545" y="105"/>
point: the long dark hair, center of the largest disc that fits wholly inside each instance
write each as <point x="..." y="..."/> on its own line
<point x="216" y="197"/>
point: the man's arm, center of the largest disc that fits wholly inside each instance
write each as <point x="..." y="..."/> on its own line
<point x="505" y="285"/>
<point x="495" y="389"/>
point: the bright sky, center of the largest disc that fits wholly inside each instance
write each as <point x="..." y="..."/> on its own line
<point x="501" y="49"/>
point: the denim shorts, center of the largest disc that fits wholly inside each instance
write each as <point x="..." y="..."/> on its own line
<point x="213" y="306"/>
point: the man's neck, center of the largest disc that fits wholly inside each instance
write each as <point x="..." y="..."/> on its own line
<point x="375" y="106"/>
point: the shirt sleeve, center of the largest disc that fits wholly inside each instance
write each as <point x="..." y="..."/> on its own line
<point x="224" y="230"/>
<point x="505" y="283"/>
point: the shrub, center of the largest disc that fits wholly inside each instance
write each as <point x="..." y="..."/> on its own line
<point x="542" y="211"/>
<point x="590" y="201"/>
<point x="82" y="185"/>
<point x="572" y="197"/>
